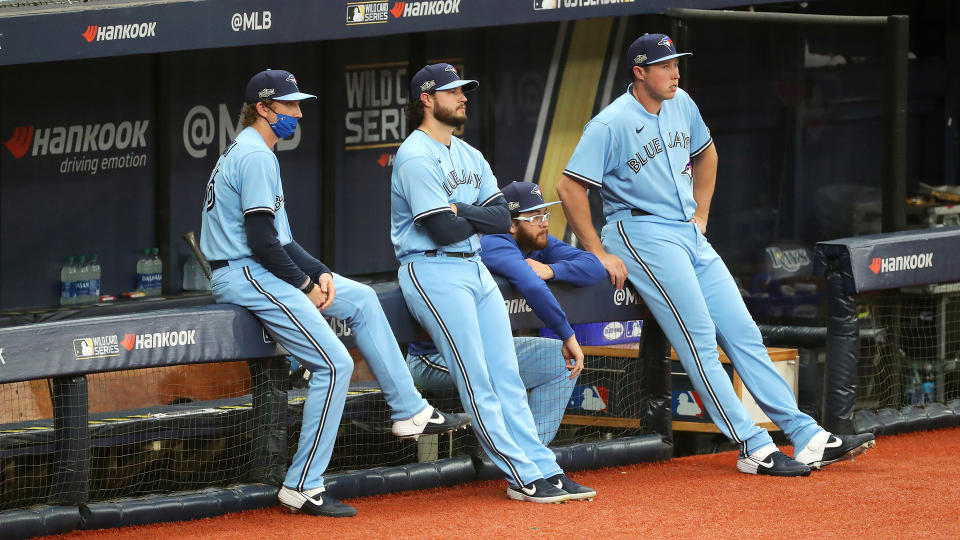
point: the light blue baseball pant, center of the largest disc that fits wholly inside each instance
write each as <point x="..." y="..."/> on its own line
<point x="296" y="324"/>
<point x="543" y="371"/>
<point x="461" y="308"/>
<point x="697" y="303"/>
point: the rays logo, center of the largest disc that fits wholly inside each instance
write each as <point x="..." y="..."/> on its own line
<point x="687" y="171"/>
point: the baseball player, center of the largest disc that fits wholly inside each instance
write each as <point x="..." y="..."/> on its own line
<point x="443" y="194"/>
<point x="528" y="257"/>
<point x="256" y="264"/>
<point x="654" y="161"/>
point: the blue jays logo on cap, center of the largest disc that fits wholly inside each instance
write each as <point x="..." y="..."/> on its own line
<point x="524" y="197"/>
<point x="275" y="84"/>
<point x="652" y="48"/>
<point x="435" y="77"/>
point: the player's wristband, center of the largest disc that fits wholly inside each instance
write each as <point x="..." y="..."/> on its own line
<point x="308" y="288"/>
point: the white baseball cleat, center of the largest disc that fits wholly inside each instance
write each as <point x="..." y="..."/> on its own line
<point x="825" y="448"/>
<point x="429" y="421"/>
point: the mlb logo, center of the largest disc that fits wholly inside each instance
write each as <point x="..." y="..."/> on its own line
<point x="687" y="403"/>
<point x="83" y="347"/>
<point x="355" y="13"/>
<point x="588" y="398"/>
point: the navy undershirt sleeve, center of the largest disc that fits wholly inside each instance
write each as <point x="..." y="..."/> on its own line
<point x="491" y="219"/>
<point x="263" y="241"/>
<point x="308" y="263"/>
<point x="445" y="228"/>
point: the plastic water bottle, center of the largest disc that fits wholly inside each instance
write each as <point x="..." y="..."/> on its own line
<point x="142" y="272"/>
<point x="929" y="384"/>
<point x="66" y="283"/>
<point x="914" y="387"/>
<point x="82" y="283"/>
<point x="95" y="278"/>
<point x="156" y="273"/>
<point x="193" y="276"/>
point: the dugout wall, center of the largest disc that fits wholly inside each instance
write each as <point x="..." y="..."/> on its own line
<point x="791" y="141"/>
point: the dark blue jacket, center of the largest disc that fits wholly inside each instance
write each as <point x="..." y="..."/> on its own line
<point x="501" y="255"/>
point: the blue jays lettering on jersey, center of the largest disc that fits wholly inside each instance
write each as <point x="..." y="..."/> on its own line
<point x="246" y="179"/>
<point x="641" y="160"/>
<point x="427" y="178"/>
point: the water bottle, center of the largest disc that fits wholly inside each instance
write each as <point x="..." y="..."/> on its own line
<point x="95" y="278"/>
<point x="914" y="387"/>
<point x="929" y="384"/>
<point x="189" y="274"/>
<point x="82" y="284"/>
<point x="156" y="273"/>
<point x="142" y="272"/>
<point x="66" y="283"/>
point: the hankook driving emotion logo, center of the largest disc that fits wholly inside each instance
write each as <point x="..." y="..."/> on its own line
<point x="83" y="146"/>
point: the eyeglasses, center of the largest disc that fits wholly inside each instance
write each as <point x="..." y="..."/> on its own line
<point x="538" y="219"/>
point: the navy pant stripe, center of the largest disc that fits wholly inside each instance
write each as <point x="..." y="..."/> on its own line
<point x="426" y="360"/>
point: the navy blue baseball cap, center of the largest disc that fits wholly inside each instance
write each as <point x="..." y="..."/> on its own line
<point x="652" y="48"/>
<point x="524" y="197"/>
<point x="275" y="84"/>
<point x="440" y="76"/>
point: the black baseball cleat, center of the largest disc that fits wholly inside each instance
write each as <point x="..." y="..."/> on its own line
<point x="826" y="448"/>
<point x="316" y="502"/>
<point x="576" y="491"/>
<point x="538" y="491"/>
<point x="774" y="464"/>
<point x="428" y="422"/>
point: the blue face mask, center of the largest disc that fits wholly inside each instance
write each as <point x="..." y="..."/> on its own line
<point x="284" y="126"/>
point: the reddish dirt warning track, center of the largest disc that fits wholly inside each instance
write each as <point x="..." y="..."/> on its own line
<point x="908" y="486"/>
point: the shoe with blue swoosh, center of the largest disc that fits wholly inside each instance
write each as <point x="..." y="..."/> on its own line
<point x="538" y="491"/>
<point x="775" y="463"/>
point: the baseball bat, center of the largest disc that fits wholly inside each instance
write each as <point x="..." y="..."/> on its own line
<point x="190" y="239"/>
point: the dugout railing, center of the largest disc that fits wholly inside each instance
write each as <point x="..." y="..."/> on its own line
<point x="207" y="444"/>
<point x="903" y="288"/>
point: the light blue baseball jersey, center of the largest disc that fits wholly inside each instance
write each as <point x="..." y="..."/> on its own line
<point x="641" y="160"/>
<point x="246" y="179"/>
<point x="427" y="178"/>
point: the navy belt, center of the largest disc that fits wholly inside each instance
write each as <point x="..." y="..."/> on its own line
<point x="216" y="265"/>
<point x="638" y="212"/>
<point x="457" y="254"/>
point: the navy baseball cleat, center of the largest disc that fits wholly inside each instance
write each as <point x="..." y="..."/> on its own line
<point x="774" y="463"/>
<point x="316" y="502"/>
<point x="538" y="491"/>
<point x="575" y="490"/>
<point x="826" y="448"/>
<point x="428" y="422"/>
